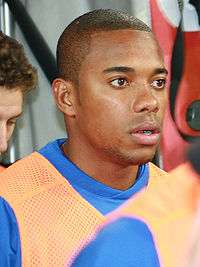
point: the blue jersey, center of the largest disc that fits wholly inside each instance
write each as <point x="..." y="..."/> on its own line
<point x="102" y="197"/>
<point x="124" y="242"/>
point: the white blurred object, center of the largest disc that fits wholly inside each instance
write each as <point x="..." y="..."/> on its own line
<point x="171" y="10"/>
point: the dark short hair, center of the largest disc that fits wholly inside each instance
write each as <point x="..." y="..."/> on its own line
<point x="15" y="69"/>
<point x="74" y="43"/>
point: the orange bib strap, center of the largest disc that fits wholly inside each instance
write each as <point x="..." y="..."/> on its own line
<point x="53" y="218"/>
<point x="2" y="168"/>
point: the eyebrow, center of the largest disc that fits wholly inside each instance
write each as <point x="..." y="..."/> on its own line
<point x="17" y="116"/>
<point x="126" y="69"/>
<point x="161" y="71"/>
<point x="119" y="69"/>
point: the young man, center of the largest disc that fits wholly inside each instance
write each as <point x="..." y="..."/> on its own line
<point x="111" y="91"/>
<point x="17" y="76"/>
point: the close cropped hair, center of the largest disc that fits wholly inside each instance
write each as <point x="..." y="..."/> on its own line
<point x="74" y="43"/>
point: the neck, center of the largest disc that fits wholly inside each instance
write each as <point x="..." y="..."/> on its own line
<point x="110" y="173"/>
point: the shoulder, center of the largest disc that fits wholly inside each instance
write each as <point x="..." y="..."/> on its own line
<point x="7" y="215"/>
<point x="125" y="238"/>
<point x="9" y="233"/>
<point x="26" y="175"/>
<point x="128" y="227"/>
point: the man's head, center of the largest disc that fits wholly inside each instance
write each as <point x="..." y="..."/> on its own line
<point x="75" y="42"/>
<point x="112" y="85"/>
<point x="17" y="76"/>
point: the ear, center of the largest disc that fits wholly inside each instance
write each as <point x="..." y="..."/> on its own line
<point x="63" y="92"/>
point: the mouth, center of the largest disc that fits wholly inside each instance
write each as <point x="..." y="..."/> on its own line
<point x="146" y="134"/>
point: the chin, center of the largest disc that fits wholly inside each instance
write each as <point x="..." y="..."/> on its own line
<point x="127" y="160"/>
<point x="139" y="157"/>
<point x="136" y="156"/>
<point x="141" y="161"/>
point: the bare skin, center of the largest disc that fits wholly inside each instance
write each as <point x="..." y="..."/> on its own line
<point x="11" y="101"/>
<point x="114" y="118"/>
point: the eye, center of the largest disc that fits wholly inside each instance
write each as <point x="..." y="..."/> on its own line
<point x="159" y="84"/>
<point x="119" y="82"/>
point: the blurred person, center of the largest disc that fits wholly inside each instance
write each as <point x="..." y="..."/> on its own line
<point x="192" y="256"/>
<point x="17" y="76"/>
<point x="167" y="214"/>
<point x="111" y="91"/>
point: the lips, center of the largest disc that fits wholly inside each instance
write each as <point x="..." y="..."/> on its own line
<point x="147" y="133"/>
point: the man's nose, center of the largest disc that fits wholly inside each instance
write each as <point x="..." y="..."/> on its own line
<point x="3" y="139"/>
<point x="145" y="101"/>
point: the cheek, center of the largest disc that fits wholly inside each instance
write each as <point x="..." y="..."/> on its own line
<point x="108" y="111"/>
<point x="103" y="116"/>
<point x="162" y="102"/>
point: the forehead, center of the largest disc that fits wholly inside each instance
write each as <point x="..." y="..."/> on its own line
<point x="126" y="47"/>
<point x="11" y="101"/>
